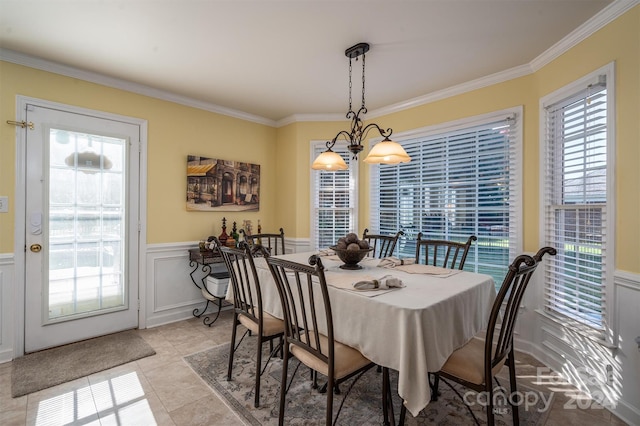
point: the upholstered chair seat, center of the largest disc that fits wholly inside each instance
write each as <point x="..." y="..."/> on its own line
<point x="467" y="363"/>
<point x="347" y="360"/>
<point x="271" y="325"/>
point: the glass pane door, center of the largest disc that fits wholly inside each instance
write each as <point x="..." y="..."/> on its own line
<point x="86" y="224"/>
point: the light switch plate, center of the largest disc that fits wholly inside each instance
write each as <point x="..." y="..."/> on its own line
<point x="4" y="204"/>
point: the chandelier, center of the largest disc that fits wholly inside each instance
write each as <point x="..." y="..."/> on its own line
<point x="384" y="152"/>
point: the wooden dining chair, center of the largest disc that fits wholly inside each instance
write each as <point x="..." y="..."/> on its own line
<point x="476" y="364"/>
<point x="306" y="306"/>
<point x="383" y="245"/>
<point x="273" y="242"/>
<point x="443" y="253"/>
<point x="247" y="308"/>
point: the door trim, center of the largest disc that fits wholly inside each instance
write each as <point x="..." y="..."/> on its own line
<point x="20" y="211"/>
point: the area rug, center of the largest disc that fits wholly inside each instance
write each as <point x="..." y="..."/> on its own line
<point x="50" y="367"/>
<point x="363" y="406"/>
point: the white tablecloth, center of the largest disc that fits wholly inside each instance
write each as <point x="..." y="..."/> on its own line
<point x="412" y="330"/>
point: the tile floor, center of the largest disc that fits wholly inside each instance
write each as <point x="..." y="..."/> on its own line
<point x="163" y="390"/>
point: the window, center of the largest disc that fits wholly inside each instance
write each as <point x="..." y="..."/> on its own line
<point x="463" y="179"/>
<point x="577" y="200"/>
<point x="334" y="199"/>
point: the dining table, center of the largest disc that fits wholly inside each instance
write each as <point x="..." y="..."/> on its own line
<point x="412" y="329"/>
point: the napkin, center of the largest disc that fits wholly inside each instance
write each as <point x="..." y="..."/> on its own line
<point x="383" y="283"/>
<point x="326" y="252"/>
<point x="392" y="262"/>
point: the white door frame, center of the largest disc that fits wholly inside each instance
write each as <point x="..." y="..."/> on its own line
<point x="20" y="211"/>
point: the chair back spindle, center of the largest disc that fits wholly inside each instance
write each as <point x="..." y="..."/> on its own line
<point x="443" y="253"/>
<point x="383" y="245"/>
<point x="504" y="312"/>
<point x="305" y="301"/>
<point x="274" y="242"/>
<point x="247" y="297"/>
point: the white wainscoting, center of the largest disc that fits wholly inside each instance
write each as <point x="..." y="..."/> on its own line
<point x="612" y="372"/>
<point x="7" y="267"/>
<point x="296" y="245"/>
<point x="171" y="295"/>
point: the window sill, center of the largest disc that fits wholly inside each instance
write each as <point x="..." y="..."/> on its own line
<point x="589" y="333"/>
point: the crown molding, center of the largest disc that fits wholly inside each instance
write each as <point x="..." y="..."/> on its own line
<point x="93" y="77"/>
<point x="598" y="21"/>
<point x="468" y="86"/>
<point x="295" y="118"/>
<point x="459" y="89"/>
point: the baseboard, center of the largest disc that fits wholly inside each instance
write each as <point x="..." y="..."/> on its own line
<point x="175" y="316"/>
<point x="6" y="355"/>
<point x="627" y="413"/>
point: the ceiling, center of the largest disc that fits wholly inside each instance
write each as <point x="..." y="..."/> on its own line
<point x="276" y="59"/>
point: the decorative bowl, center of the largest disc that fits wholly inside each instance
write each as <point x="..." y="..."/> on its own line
<point x="351" y="258"/>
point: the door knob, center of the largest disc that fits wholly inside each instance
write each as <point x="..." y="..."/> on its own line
<point x="35" y="248"/>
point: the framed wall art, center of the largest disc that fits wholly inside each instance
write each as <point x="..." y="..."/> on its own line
<point x="222" y="185"/>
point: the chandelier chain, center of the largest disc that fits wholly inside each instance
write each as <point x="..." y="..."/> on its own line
<point x="350" y="84"/>
<point x="363" y="57"/>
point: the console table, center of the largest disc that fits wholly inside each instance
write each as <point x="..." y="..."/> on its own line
<point x="204" y="260"/>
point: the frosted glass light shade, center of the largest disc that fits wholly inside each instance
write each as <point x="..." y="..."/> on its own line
<point x="330" y="161"/>
<point x="387" y="152"/>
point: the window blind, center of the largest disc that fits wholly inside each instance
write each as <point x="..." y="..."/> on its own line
<point x="334" y="199"/>
<point x="575" y="206"/>
<point x="459" y="183"/>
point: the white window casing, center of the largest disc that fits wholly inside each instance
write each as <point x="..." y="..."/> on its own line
<point x="577" y="201"/>
<point x="334" y="198"/>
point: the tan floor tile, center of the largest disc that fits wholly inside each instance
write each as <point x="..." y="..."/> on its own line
<point x="70" y="402"/>
<point x="180" y="336"/>
<point x="165" y="355"/>
<point x="560" y="417"/>
<point x="13" y="417"/>
<point x="208" y="410"/>
<point x="153" y="337"/>
<point x="5" y="368"/>
<point x="13" y="411"/>
<point x="189" y="348"/>
<point x="7" y="403"/>
<point x="140" y="411"/>
<point x="184" y="324"/>
<point x="176" y="385"/>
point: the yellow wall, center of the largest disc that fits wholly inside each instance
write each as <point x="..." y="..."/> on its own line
<point x="618" y="41"/>
<point x="294" y="173"/>
<point x="174" y="131"/>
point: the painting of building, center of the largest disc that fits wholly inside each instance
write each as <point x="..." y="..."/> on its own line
<point x="222" y="185"/>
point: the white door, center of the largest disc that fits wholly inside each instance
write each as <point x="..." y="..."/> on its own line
<point x="81" y="226"/>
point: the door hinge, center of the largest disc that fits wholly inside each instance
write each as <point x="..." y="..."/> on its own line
<point x="138" y="304"/>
